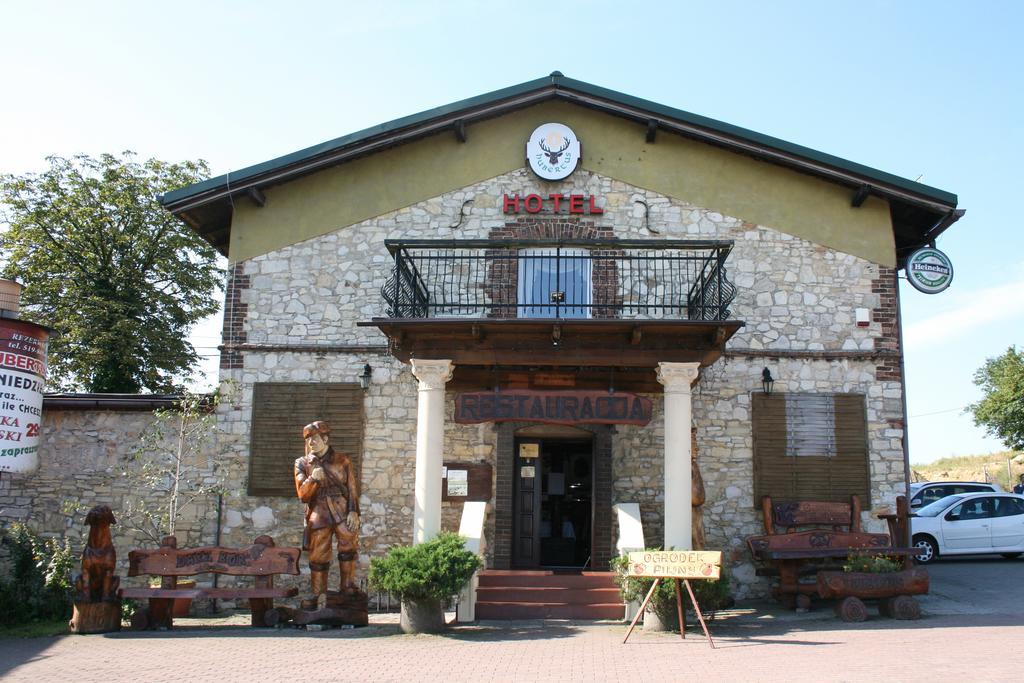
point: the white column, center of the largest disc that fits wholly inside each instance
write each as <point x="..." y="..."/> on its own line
<point x="677" y="379"/>
<point x="433" y="375"/>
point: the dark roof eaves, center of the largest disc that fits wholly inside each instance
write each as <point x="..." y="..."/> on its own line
<point x="336" y="144"/>
<point x="554" y="83"/>
<point x="767" y="141"/>
<point x="114" y="402"/>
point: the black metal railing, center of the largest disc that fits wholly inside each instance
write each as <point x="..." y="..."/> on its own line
<point x="561" y="279"/>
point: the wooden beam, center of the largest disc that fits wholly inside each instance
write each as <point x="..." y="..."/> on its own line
<point x="218" y="236"/>
<point x="257" y="196"/>
<point x="652" y="130"/>
<point x="534" y="343"/>
<point x="460" y="130"/>
<point x="623" y="357"/>
<point x="477" y="378"/>
<point x="862" y="194"/>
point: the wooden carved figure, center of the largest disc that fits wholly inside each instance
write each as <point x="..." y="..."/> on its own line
<point x="97" y="607"/>
<point x="325" y="481"/>
<point x="697" y="497"/>
<point x="97" y="582"/>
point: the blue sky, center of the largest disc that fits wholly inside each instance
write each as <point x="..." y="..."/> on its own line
<point x="926" y="90"/>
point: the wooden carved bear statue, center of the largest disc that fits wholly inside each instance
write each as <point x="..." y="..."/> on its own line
<point x="97" y="582"/>
<point x="97" y="607"/>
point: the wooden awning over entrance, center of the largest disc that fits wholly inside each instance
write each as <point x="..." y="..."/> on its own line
<point x="548" y="353"/>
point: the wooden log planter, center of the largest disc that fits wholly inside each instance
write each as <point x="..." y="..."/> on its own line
<point x="892" y="589"/>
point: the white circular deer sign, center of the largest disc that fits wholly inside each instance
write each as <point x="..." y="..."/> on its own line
<point x="553" y="151"/>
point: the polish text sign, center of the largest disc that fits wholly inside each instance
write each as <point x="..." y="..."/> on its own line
<point x="559" y="407"/>
<point x="676" y="564"/>
<point x="22" y="379"/>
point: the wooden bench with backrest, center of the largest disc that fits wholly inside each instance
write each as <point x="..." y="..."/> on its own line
<point x="807" y="536"/>
<point x="261" y="560"/>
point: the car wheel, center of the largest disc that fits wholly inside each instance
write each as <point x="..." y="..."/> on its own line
<point x="927" y="549"/>
<point x="1011" y="556"/>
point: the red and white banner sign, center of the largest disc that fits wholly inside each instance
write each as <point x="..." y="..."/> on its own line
<point x="22" y="378"/>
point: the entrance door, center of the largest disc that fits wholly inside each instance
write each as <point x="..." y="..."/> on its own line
<point x="554" y="503"/>
<point x="526" y="504"/>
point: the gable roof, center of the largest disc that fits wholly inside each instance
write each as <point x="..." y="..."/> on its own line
<point x="919" y="212"/>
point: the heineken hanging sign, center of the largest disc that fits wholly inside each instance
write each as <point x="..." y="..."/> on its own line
<point x="929" y="270"/>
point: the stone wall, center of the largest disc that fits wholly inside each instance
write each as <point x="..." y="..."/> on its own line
<point x="82" y="454"/>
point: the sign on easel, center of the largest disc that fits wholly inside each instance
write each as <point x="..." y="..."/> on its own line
<point x="680" y="566"/>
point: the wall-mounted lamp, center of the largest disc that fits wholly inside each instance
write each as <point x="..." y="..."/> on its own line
<point x="366" y="376"/>
<point x="766" y="381"/>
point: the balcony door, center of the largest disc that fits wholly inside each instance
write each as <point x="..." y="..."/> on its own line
<point x="554" y="283"/>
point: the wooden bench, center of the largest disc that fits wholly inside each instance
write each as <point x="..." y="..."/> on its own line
<point x="261" y="560"/>
<point x="806" y="537"/>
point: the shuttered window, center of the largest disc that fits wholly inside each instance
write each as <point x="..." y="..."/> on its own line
<point x="810" y="447"/>
<point x="281" y="410"/>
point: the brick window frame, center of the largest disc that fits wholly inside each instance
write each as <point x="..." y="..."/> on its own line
<point x="502" y="281"/>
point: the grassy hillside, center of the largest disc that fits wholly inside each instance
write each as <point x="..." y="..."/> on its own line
<point x="991" y="467"/>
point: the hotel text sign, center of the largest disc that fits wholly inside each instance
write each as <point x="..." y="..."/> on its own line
<point x="552" y="203"/>
<point x="560" y="407"/>
<point x="676" y="564"/>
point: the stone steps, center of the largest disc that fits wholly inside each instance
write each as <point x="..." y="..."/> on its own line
<point x="540" y="594"/>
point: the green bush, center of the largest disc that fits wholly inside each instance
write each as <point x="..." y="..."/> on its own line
<point x="711" y="594"/>
<point x="436" y="569"/>
<point x="39" y="585"/>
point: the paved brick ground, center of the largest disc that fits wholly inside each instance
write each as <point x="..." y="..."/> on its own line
<point x="966" y="632"/>
<point x="754" y="647"/>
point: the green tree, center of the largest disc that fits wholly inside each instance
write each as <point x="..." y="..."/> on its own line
<point x="120" y="278"/>
<point x="1001" y="411"/>
<point x="174" y="466"/>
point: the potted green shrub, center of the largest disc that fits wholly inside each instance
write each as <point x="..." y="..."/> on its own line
<point x="711" y="595"/>
<point x="424" y="576"/>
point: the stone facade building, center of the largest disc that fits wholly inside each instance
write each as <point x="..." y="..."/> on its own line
<point x="678" y="259"/>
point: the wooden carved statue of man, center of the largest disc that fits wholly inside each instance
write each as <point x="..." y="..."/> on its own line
<point x="697" y="495"/>
<point x="325" y="481"/>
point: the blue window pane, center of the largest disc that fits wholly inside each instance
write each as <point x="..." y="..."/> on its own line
<point x="554" y="286"/>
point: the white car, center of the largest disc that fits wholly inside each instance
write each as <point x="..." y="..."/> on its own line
<point x="969" y="524"/>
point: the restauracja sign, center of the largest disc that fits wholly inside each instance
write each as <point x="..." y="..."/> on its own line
<point x="559" y="407"/>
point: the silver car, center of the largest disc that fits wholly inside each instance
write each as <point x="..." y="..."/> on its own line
<point x="925" y="493"/>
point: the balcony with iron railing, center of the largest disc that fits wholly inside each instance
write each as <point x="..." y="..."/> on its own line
<point x="558" y="302"/>
<point x="566" y="279"/>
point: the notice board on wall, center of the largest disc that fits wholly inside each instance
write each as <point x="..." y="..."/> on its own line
<point x="466" y="481"/>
